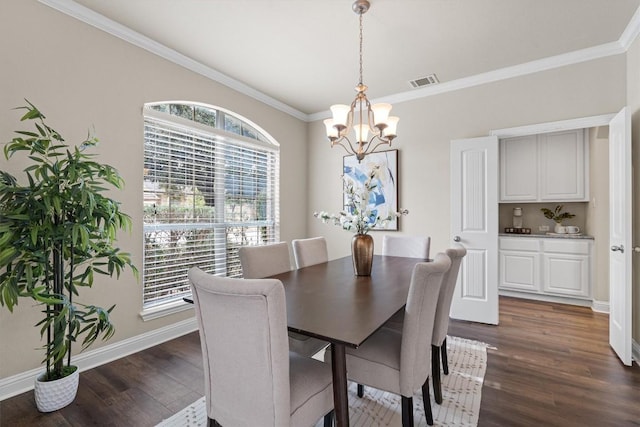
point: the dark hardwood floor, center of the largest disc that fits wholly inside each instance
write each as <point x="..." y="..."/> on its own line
<point x="548" y="365"/>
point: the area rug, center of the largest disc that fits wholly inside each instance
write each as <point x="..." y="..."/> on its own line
<point x="461" y="393"/>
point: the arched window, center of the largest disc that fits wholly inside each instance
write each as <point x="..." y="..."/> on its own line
<point x="210" y="186"/>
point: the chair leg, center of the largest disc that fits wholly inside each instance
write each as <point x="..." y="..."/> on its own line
<point x="360" y="390"/>
<point x="407" y="411"/>
<point x="445" y="361"/>
<point x="426" y="400"/>
<point x="435" y="374"/>
<point x="328" y="419"/>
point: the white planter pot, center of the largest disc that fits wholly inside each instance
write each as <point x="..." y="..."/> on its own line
<point x="53" y="395"/>
<point x="559" y="228"/>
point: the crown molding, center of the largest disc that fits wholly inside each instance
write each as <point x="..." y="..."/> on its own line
<point x="88" y="16"/>
<point x="632" y="31"/>
<point x="549" y="63"/>
<point x="579" y="123"/>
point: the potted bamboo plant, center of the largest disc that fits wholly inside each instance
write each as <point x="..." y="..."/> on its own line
<point x="57" y="231"/>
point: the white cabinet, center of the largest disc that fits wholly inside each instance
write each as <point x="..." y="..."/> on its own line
<point x="520" y="264"/>
<point x="546" y="266"/>
<point x="551" y="167"/>
<point x="519" y="169"/>
<point x="566" y="267"/>
<point x="562" y="166"/>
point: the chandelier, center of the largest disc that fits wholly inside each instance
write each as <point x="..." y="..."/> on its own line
<point x="363" y="117"/>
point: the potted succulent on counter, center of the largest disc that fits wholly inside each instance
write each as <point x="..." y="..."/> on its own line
<point x="57" y="230"/>
<point x="557" y="216"/>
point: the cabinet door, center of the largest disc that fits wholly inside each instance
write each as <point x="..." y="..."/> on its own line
<point x="519" y="169"/>
<point x="562" y="173"/>
<point x="520" y="271"/>
<point x="566" y="274"/>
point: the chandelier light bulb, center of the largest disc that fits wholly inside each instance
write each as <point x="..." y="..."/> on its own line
<point x="390" y="130"/>
<point x="332" y="132"/>
<point x="380" y="114"/>
<point x="340" y="114"/>
<point x="362" y="131"/>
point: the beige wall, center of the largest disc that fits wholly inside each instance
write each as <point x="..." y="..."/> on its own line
<point x="633" y="101"/>
<point x="82" y="77"/>
<point x="598" y="211"/>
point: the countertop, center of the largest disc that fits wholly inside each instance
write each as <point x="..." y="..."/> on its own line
<point x="549" y="236"/>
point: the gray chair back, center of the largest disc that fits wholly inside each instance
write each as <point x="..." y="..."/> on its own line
<point x="441" y="325"/>
<point x="310" y="251"/>
<point x="417" y="331"/>
<point x="406" y="246"/>
<point x="243" y="333"/>
<point x="263" y="261"/>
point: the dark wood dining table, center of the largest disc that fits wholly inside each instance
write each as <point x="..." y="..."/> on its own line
<point x="328" y="301"/>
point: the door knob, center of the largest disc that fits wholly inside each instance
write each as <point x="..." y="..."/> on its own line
<point x="456" y="238"/>
<point x="615" y="248"/>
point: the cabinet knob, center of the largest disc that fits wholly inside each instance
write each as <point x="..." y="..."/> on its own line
<point x="615" y="248"/>
<point x="456" y="238"/>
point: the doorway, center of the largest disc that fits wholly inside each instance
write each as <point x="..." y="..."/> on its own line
<point x="598" y="125"/>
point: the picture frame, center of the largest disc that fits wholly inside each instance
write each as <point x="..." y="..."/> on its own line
<point x="384" y="199"/>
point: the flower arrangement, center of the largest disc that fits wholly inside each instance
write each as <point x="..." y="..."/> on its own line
<point x="360" y="213"/>
<point x="557" y="215"/>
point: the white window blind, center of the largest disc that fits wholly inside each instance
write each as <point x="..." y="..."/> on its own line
<point x="206" y="193"/>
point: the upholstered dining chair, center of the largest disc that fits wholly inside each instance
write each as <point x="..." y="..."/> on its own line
<point x="310" y="251"/>
<point x="406" y="246"/>
<point x="258" y="262"/>
<point x="268" y="260"/>
<point x="441" y="323"/>
<point x="251" y="378"/>
<point x="399" y="362"/>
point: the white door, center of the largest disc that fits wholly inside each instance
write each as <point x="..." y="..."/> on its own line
<point x="474" y="224"/>
<point x="620" y="203"/>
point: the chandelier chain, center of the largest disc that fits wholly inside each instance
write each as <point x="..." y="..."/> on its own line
<point x="360" y="16"/>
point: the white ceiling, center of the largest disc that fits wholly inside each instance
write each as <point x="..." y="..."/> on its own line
<point x="304" y="53"/>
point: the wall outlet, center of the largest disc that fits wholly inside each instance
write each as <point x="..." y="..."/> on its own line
<point x="543" y="228"/>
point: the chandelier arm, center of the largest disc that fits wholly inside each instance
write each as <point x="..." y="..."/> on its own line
<point x="382" y="142"/>
<point x="346" y="138"/>
<point x="367" y="145"/>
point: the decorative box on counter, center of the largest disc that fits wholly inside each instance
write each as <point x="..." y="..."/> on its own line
<point x="514" y="230"/>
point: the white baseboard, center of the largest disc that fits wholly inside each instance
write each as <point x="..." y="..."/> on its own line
<point x="547" y="298"/>
<point x="22" y="382"/>
<point x="600" y="306"/>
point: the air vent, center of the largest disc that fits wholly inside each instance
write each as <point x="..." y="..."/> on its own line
<point x="431" y="79"/>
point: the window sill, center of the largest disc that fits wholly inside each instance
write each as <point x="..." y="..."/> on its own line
<point x="165" y="310"/>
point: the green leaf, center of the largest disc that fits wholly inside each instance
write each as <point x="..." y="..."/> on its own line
<point x="7" y="255"/>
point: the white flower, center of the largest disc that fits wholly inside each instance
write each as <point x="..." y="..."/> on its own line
<point x="359" y="216"/>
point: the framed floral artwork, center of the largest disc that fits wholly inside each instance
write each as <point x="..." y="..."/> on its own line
<point x="374" y="184"/>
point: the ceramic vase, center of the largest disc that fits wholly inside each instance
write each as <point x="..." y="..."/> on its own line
<point x="362" y="254"/>
<point x="53" y="395"/>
